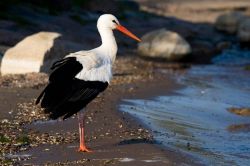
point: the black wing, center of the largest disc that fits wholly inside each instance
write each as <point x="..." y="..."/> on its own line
<point x="65" y="95"/>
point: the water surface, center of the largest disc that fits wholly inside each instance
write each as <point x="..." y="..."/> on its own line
<point x="196" y="119"/>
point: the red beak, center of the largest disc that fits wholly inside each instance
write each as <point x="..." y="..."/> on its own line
<point x="127" y="32"/>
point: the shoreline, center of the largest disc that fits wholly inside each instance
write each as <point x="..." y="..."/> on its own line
<point x="115" y="137"/>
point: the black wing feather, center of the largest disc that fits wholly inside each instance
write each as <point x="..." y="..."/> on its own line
<point x="65" y="70"/>
<point x="65" y="95"/>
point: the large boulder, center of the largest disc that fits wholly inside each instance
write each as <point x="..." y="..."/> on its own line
<point x="36" y="53"/>
<point x="164" y="44"/>
<point x="28" y="55"/>
<point x="244" y="31"/>
<point x="229" y="22"/>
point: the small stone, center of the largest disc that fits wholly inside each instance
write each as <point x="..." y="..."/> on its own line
<point x="140" y="130"/>
<point x="5" y="121"/>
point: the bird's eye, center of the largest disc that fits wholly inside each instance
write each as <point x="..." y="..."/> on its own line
<point x="114" y="22"/>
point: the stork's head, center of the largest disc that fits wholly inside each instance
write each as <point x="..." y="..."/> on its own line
<point x="108" y="21"/>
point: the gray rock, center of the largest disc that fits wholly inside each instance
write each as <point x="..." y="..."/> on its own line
<point x="36" y="53"/>
<point x="164" y="44"/>
<point x="28" y="55"/>
<point x="243" y="33"/>
<point x="229" y="22"/>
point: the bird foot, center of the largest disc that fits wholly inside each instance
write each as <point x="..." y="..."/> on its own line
<point x="84" y="149"/>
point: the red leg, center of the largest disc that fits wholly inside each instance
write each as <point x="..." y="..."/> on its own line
<point x="82" y="147"/>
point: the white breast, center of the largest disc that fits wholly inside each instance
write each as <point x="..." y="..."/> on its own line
<point x="95" y="68"/>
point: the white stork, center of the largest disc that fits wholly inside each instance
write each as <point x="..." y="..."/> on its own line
<point x="79" y="77"/>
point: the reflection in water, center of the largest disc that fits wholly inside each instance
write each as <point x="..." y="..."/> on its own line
<point x="197" y="119"/>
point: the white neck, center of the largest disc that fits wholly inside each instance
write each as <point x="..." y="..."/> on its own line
<point x="109" y="46"/>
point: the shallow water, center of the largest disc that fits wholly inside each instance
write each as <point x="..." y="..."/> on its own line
<point x="196" y="119"/>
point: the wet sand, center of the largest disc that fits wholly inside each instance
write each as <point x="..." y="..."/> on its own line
<point x="115" y="137"/>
